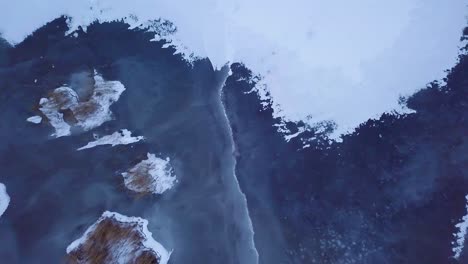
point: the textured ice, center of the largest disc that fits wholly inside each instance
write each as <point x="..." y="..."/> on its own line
<point x="122" y="137"/>
<point x="124" y="251"/>
<point x="87" y="114"/>
<point x="4" y="199"/>
<point x="153" y="175"/>
<point x="460" y="236"/>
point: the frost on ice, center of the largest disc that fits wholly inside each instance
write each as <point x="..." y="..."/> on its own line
<point x="115" y="238"/>
<point x="461" y="234"/>
<point x="64" y="108"/>
<point x="121" y="137"/>
<point x="153" y="175"/>
<point x="4" y="199"/>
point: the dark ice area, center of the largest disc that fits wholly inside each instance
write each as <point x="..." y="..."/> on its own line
<point x="57" y="192"/>
<point x="390" y="192"/>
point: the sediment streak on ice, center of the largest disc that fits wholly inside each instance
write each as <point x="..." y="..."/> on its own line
<point x="250" y="240"/>
<point x="122" y="137"/>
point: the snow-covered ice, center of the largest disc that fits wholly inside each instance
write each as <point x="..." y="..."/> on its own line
<point x="152" y="175"/>
<point x="34" y="119"/>
<point x="344" y="61"/>
<point x="121" y="137"/>
<point x="460" y="236"/>
<point x="4" y="199"/>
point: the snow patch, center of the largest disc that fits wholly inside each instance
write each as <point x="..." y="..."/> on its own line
<point x="123" y="250"/>
<point x="288" y="137"/>
<point x="61" y="98"/>
<point x="104" y="95"/>
<point x="84" y="114"/>
<point x="121" y="137"/>
<point x="4" y="199"/>
<point x="460" y="236"/>
<point x="34" y="119"/>
<point x="153" y="175"/>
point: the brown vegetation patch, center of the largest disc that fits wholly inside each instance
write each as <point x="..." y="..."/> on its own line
<point x="140" y="178"/>
<point x="112" y="241"/>
<point x="69" y="116"/>
<point x="85" y="109"/>
<point x="61" y="98"/>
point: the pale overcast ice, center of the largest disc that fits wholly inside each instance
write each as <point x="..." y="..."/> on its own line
<point x="380" y="51"/>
